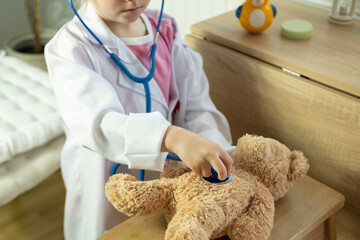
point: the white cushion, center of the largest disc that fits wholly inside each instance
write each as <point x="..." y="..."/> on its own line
<point x="27" y="170"/>
<point x="28" y="113"/>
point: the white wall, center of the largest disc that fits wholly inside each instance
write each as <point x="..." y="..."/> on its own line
<point x="187" y="12"/>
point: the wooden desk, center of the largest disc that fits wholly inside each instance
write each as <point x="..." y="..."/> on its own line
<point x="317" y="112"/>
<point x="306" y="212"/>
<point x="330" y="57"/>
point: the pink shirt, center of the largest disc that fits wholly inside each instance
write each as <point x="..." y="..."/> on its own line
<point x="141" y="50"/>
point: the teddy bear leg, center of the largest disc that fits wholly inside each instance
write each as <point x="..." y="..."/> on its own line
<point x="258" y="220"/>
<point x="195" y="221"/>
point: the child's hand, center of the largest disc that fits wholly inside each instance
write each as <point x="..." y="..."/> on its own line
<point x="197" y="152"/>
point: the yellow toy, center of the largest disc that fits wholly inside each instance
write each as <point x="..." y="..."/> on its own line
<point x="256" y="15"/>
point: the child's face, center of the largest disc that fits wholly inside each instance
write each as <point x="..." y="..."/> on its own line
<point x="120" y="11"/>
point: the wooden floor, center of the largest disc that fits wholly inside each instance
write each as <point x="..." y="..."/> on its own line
<point x="38" y="215"/>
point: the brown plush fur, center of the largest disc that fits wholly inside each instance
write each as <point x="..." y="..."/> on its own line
<point x="243" y="208"/>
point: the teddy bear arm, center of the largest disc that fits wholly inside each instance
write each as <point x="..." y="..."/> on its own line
<point x="135" y="198"/>
<point x="173" y="169"/>
<point x="195" y="221"/>
<point x="258" y="220"/>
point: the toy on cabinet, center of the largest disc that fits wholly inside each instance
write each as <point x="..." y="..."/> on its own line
<point x="256" y="15"/>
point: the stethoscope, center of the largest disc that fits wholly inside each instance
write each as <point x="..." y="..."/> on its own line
<point x="145" y="81"/>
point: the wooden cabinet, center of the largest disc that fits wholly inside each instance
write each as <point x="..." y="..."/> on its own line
<point x="316" y="111"/>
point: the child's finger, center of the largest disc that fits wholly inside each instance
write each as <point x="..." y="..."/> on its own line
<point x="228" y="161"/>
<point x="219" y="167"/>
<point x="206" y="170"/>
<point x="196" y="170"/>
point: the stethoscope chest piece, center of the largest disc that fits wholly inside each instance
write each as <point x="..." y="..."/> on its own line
<point x="214" y="178"/>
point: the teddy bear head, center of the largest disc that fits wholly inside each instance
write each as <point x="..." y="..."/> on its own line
<point x="271" y="162"/>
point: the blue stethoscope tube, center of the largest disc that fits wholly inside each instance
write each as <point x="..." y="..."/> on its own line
<point x="144" y="80"/>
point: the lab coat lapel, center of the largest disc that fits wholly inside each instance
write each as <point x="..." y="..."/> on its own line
<point x="134" y="65"/>
<point x="97" y="26"/>
<point x="138" y="69"/>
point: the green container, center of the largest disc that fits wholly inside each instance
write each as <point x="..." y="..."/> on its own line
<point x="296" y="29"/>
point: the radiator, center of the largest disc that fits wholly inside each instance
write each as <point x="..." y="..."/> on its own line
<point x="188" y="12"/>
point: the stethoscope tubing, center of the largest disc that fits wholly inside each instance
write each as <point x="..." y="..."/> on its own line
<point x="116" y="59"/>
<point x="84" y="24"/>
<point x="144" y="80"/>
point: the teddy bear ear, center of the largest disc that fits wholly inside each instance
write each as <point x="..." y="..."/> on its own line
<point x="298" y="166"/>
<point x="253" y="148"/>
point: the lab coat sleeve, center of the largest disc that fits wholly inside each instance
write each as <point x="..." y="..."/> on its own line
<point x="91" y="110"/>
<point x="201" y="115"/>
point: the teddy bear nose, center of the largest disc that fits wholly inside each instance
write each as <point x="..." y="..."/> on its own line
<point x="214" y="177"/>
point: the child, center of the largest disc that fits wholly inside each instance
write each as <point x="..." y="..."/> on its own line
<point x="103" y="111"/>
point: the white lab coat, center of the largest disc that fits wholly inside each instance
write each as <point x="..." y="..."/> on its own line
<point x="103" y="117"/>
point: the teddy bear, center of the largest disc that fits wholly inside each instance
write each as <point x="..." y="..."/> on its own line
<point x="242" y="208"/>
